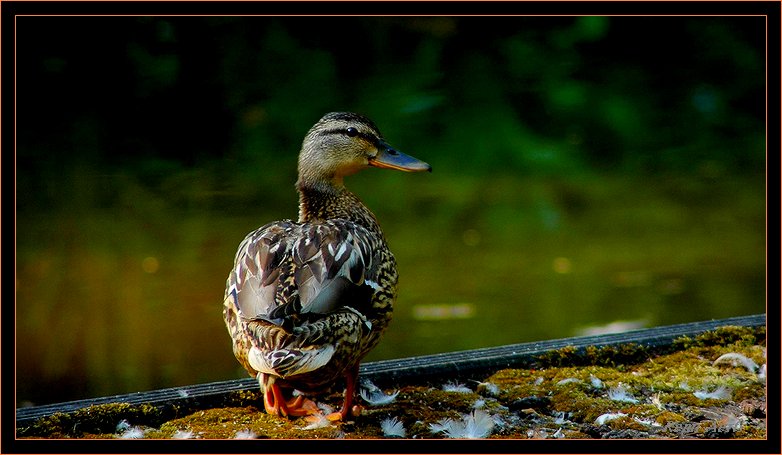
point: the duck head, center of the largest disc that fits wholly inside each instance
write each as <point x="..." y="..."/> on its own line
<point x="343" y="143"/>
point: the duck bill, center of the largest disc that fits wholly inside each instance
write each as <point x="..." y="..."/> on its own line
<point x="389" y="158"/>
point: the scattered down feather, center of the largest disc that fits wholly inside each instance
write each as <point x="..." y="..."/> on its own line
<point x="476" y="425"/>
<point x="736" y="359"/>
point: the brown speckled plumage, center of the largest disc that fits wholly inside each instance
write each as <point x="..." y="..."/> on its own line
<point x="307" y="300"/>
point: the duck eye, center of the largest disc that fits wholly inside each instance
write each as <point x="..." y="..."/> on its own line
<point x="352" y="132"/>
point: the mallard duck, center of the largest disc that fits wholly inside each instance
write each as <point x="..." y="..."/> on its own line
<point x="308" y="299"/>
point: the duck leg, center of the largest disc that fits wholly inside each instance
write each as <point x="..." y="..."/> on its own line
<point x="351" y="381"/>
<point x="271" y="394"/>
<point x="274" y="401"/>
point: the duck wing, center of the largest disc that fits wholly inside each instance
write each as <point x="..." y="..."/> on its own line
<point x="287" y="273"/>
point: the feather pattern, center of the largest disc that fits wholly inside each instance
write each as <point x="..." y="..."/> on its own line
<point x="288" y="276"/>
<point x="286" y="269"/>
<point x="306" y="300"/>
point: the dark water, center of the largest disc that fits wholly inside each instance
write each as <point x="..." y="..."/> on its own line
<point x="122" y="297"/>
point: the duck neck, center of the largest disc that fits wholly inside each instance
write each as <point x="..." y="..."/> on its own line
<point x="321" y="202"/>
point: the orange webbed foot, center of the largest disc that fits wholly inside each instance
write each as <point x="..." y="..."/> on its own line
<point x="275" y="403"/>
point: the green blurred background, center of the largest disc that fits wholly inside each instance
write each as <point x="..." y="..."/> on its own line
<point x="587" y="171"/>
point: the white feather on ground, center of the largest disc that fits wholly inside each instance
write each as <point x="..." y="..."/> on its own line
<point x="393" y="428"/>
<point x="476" y="425"/>
<point x="377" y="397"/>
<point x="720" y="393"/>
<point x="456" y="387"/>
<point x="602" y="419"/>
<point x="620" y="393"/>
<point x="319" y="421"/>
<point x="183" y="434"/>
<point x="373" y="395"/>
<point x="560" y="417"/>
<point x="122" y="425"/>
<point x="657" y="402"/>
<point x="736" y="359"/>
<point x="245" y="434"/>
<point x="491" y="389"/>
<point x="132" y="433"/>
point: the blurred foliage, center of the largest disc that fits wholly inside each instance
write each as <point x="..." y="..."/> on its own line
<point x="155" y="96"/>
<point x="586" y="169"/>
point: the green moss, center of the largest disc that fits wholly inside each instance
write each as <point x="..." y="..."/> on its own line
<point x="584" y="408"/>
<point x="437" y="399"/>
<point x="98" y="419"/>
<point x="612" y="355"/>
<point x="575" y="434"/>
<point x="749" y="391"/>
<point x="751" y="433"/>
<point x="743" y="336"/>
<point x="623" y="354"/>
<point x="568" y="355"/>
<point x="667" y="417"/>
<point x="420" y="429"/>
<point x="225" y="423"/>
<point x="245" y="397"/>
<point x="626" y="423"/>
<point x="657" y="381"/>
<point x="662" y="383"/>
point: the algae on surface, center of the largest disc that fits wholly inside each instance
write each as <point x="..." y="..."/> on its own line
<point x="610" y="392"/>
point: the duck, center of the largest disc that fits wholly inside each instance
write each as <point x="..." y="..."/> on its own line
<point x="306" y="300"/>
